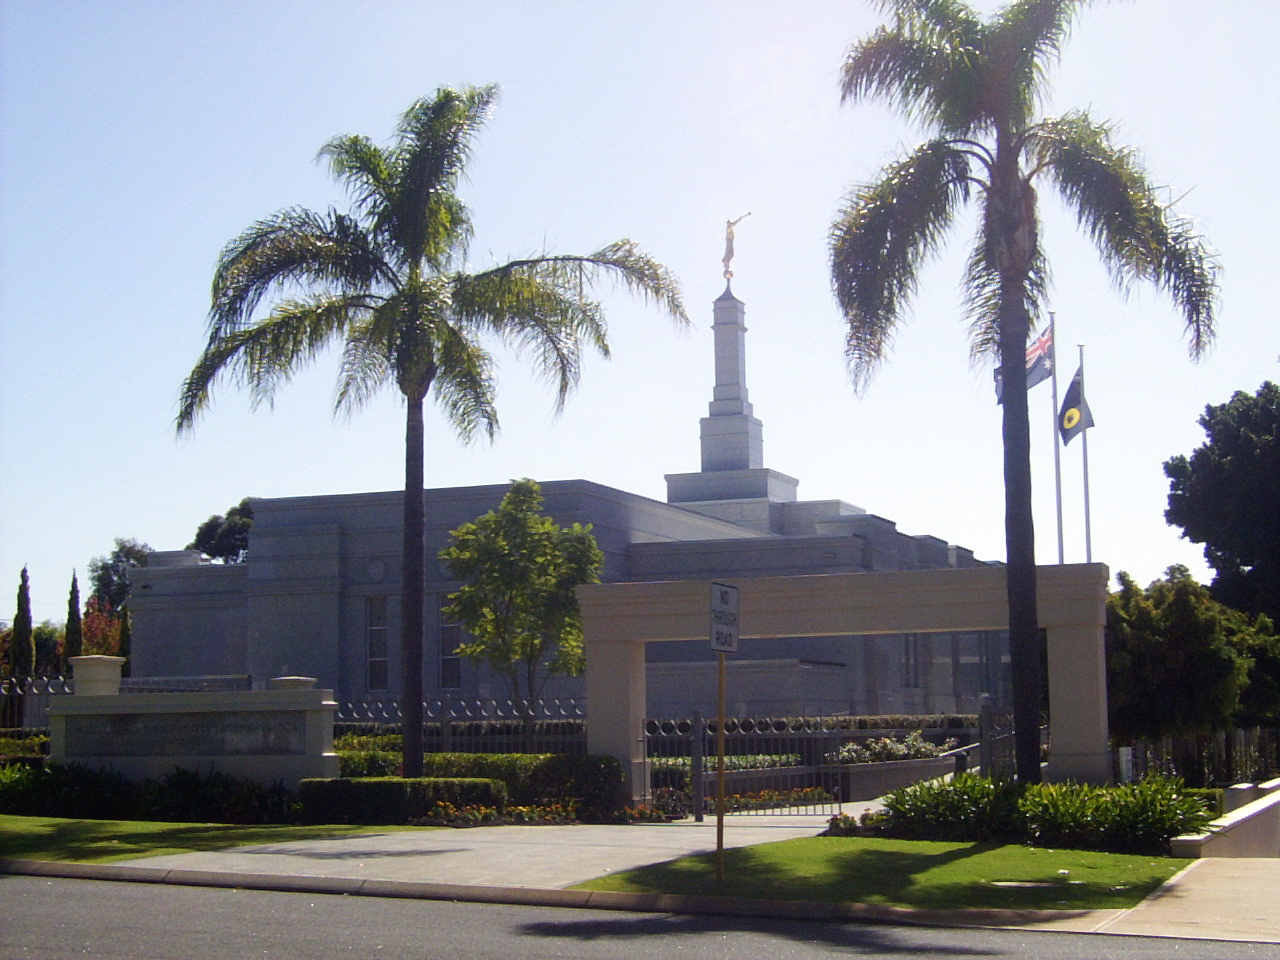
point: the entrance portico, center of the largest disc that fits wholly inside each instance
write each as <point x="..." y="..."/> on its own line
<point x="620" y="618"/>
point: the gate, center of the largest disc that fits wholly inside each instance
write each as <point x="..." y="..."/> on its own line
<point x="772" y="766"/>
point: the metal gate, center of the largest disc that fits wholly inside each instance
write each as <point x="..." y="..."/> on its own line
<point x="772" y="766"/>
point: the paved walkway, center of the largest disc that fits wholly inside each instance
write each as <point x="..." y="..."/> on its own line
<point x="1219" y="899"/>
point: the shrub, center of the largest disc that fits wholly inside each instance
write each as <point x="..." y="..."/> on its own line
<point x="592" y="783"/>
<point x="965" y="808"/>
<point x="375" y="800"/>
<point x="1130" y="818"/>
<point x="911" y="747"/>
<point x="23" y="742"/>
<point x="363" y="742"/>
<point x="368" y="763"/>
<point x="75" y="791"/>
<point x="1143" y="817"/>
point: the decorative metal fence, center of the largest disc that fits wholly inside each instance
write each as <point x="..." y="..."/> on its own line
<point x="24" y="701"/>
<point x="775" y="765"/>
<point x="479" y="726"/>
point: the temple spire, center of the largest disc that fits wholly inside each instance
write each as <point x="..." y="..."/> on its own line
<point x="732" y="437"/>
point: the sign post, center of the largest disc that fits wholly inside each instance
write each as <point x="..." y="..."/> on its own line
<point x="724" y="639"/>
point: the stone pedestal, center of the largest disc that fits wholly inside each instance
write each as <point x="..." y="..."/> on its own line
<point x="97" y="676"/>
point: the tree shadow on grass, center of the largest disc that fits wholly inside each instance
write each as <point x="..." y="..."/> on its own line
<point x="103" y="841"/>
<point x="862" y="874"/>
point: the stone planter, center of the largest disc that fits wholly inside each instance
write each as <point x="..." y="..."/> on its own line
<point x="867" y="781"/>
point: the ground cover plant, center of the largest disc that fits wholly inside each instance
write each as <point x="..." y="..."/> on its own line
<point x="908" y="873"/>
<point x="107" y="841"/>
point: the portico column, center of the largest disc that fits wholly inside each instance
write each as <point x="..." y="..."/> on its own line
<point x="1078" y="704"/>
<point x="616" y="703"/>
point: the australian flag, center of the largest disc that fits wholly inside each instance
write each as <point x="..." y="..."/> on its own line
<point x="1039" y="362"/>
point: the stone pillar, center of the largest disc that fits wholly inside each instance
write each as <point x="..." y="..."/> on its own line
<point x="616" y="705"/>
<point x="1078" y="704"/>
<point x="96" y="676"/>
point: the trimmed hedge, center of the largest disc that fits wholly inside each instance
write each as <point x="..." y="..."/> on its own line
<point x="368" y="763"/>
<point x="593" y="783"/>
<point x="385" y="800"/>
<point x="180" y="796"/>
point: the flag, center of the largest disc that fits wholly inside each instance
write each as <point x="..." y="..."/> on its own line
<point x="1039" y="362"/>
<point x="1074" y="417"/>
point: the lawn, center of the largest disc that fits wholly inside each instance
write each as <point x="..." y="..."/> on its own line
<point x="106" y="841"/>
<point x="908" y="873"/>
<point x="905" y="873"/>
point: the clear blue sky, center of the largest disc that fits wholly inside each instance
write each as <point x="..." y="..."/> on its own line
<point x="136" y="139"/>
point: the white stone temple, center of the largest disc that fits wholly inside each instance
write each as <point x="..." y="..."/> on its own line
<point x="319" y="593"/>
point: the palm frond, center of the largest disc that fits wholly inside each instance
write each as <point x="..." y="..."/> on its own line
<point x="432" y="148"/>
<point x="367" y="356"/>
<point x="881" y="238"/>
<point x="265" y="354"/>
<point x="464" y="383"/>
<point x="1026" y="38"/>
<point x="539" y="312"/>
<point x="985" y="298"/>
<point x="294" y="247"/>
<point x="622" y="261"/>
<point x="927" y="63"/>
<point x="1137" y="236"/>
<point x="546" y="307"/>
<point x="363" y="166"/>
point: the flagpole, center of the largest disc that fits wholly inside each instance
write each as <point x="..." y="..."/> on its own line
<point x="1084" y="450"/>
<point x="1057" y="456"/>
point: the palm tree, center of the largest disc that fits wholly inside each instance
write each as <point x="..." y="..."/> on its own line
<point x="389" y="281"/>
<point x="975" y="84"/>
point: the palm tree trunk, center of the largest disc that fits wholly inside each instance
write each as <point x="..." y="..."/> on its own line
<point x="412" y="599"/>
<point x="1019" y="535"/>
<point x="1013" y="226"/>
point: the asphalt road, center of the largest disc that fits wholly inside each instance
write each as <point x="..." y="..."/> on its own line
<point x="56" y="919"/>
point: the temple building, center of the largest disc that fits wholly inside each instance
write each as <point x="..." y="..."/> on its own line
<point x="319" y="593"/>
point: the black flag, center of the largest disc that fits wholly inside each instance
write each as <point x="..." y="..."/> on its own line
<point x="1074" y="417"/>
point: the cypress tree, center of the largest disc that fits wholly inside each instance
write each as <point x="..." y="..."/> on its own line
<point x="74" y="642"/>
<point x="126" y="641"/>
<point x="22" y="649"/>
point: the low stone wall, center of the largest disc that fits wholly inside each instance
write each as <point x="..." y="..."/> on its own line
<point x="283" y="734"/>
<point x="867" y="781"/>
<point x="853" y="781"/>
<point x="1252" y="830"/>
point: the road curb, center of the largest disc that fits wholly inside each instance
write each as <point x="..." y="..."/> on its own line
<point x="532" y="896"/>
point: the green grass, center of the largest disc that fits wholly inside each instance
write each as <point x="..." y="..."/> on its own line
<point x="908" y="873"/>
<point x="106" y="841"/>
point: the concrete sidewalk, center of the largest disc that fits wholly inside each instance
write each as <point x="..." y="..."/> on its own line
<point x="1218" y="899"/>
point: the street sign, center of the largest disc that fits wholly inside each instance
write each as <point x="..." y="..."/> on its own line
<point x="724" y="618"/>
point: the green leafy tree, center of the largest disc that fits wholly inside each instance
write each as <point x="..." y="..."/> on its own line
<point x="226" y="538"/>
<point x="1255" y="639"/>
<point x="22" y="648"/>
<point x="74" y="642"/>
<point x="110" y="574"/>
<point x="1171" y="667"/>
<point x="48" y="638"/>
<point x="388" y="281"/>
<point x="520" y="569"/>
<point x="1226" y="495"/>
<point x="976" y="85"/>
